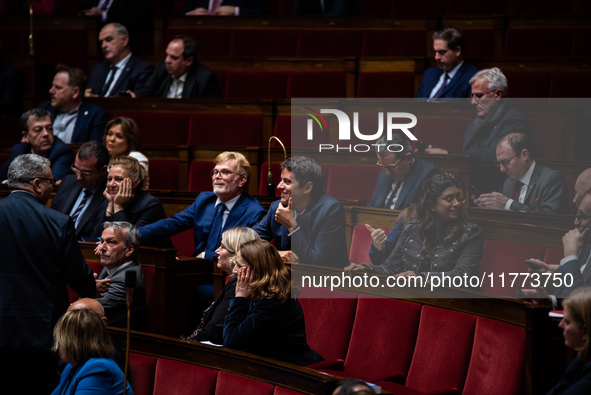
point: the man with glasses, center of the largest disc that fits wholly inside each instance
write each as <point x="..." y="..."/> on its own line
<point x="529" y="186"/>
<point x="40" y="258"/>
<point x="494" y="119"/>
<point x="398" y="186"/>
<point x="450" y="79"/>
<point x="229" y="205"/>
<point x="38" y="138"/>
<point x="81" y="194"/>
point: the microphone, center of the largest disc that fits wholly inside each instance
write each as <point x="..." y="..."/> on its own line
<point x="130" y="283"/>
<point x="270" y="184"/>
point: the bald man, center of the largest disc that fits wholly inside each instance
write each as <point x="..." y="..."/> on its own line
<point x="582" y="187"/>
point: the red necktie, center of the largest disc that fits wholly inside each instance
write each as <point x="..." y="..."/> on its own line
<point x="517" y="190"/>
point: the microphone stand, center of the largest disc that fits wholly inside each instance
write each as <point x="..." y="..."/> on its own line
<point x="130" y="283"/>
<point x="270" y="184"/>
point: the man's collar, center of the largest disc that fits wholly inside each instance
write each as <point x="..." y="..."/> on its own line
<point x="113" y="271"/>
<point x="526" y="178"/>
<point x="230" y="203"/>
<point x="121" y="64"/>
<point x="453" y="72"/>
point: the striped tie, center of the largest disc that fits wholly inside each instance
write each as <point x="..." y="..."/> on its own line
<point x="78" y="210"/>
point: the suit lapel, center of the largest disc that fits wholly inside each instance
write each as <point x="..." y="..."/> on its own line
<point x="584" y="255"/>
<point x="122" y="77"/>
<point x="236" y="213"/>
<point x="454" y="81"/>
<point x="81" y="120"/>
<point x="190" y="82"/>
<point x="532" y="184"/>
<point x="406" y="187"/>
<point x="97" y="200"/>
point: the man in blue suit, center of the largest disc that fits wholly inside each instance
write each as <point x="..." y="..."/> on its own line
<point x="398" y="186"/>
<point x="40" y="258"/>
<point x="120" y="71"/>
<point x="228" y="206"/>
<point x="38" y="138"/>
<point x="74" y="120"/>
<point x="450" y="79"/>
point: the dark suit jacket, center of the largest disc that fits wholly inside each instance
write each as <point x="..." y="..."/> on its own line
<point x="576" y="379"/>
<point x="143" y="210"/>
<point x="133" y="77"/>
<point x="269" y="229"/>
<point x="548" y="192"/>
<point x="40" y="257"/>
<point x="271" y="328"/>
<point x="247" y="7"/>
<point x="90" y="124"/>
<point x="213" y="318"/>
<point x="458" y="87"/>
<point x="61" y="157"/>
<point x="331" y="7"/>
<point x="418" y="173"/>
<point x="65" y="198"/>
<point x="200" y="82"/>
<point x="115" y="303"/>
<point x="11" y="90"/>
<point x="573" y="267"/>
<point x="200" y="216"/>
<point x="321" y="239"/>
<point x="501" y="121"/>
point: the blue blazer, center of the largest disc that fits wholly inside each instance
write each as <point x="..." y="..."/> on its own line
<point x="200" y="215"/>
<point x="574" y="267"/>
<point x="90" y="124"/>
<point x="269" y="229"/>
<point x="418" y="173"/>
<point x="458" y="87"/>
<point x="40" y="258"/>
<point x="321" y="238"/>
<point x="97" y="376"/>
<point x="61" y="157"/>
<point x="135" y="74"/>
<point x="576" y="379"/>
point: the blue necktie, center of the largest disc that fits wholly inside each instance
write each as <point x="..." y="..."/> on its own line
<point x="215" y="235"/>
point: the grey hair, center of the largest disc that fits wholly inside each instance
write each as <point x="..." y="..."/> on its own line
<point x="495" y="78"/>
<point x="25" y="168"/>
<point x="120" y="29"/>
<point x="131" y="236"/>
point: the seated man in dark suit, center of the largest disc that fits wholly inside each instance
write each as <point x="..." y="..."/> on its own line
<point x="529" y="186"/>
<point x="226" y="8"/>
<point x="398" y="186"/>
<point x="212" y="213"/>
<point x="180" y="75"/>
<point x="38" y="138"/>
<point x="495" y="118"/>
<point x="450" y="79"/>
<point x="75" y="120"/>
<point x="120" y="71"/>
<point x="316" y="220"/>
<point x="80" y="195"/>
<point x="118" y="249"/>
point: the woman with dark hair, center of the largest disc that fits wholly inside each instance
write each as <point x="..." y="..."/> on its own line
<point x="211" y="327"/>
<point x="440" y="239"/>
<point x="263" y="319"/>
<point x="122" y="137"/>
<point x="127" y="201"/>
<point x="81" y="339"/>
<point x="575" y="328"/>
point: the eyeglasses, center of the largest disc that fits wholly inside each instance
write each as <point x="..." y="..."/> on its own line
<point x="222" y="173"/>
<point x="391" y="167"/>
<point x="505" y="162"/>
<point x="51" y="180"/>
<point x="580" y="217"/>
<point x="478" y="96"/>
<point x="83" y="172"/>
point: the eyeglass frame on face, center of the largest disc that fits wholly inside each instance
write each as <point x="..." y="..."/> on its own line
<point x="52" y="181"/>
<point x="391" y="167"/>
<point x="580" y="217"/>
<point x="222" y="173"/>
<point x="478" y="96"/>
<point x="86" y="173"/>
<point x="505" y="162"/>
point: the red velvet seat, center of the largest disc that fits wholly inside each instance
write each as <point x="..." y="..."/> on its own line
<point x="360" y="244"/>
<point x="479" y="42"/>
<point x="394" y="42"/>
<point x="468" y="7"/>
<point x="528" y="84"/>
<point x="376" y="7"/>
<point x="352" y="182"/>
<point x="571" y="84"/>
<point x="225" y="130"/>
<point x="381" y="351"/>
<point x="386" y="84"/>
<point x="418" y="8"/>
<point x="221" y="76"/>
<point x="581" y="43"/>
<point x="173" y="377"/>
<point x="183" y="242"/>
<point x="544" y="42"/>
<point x="264" y="42"/>
<point x="199" y="178"/>
<point x="504" y="257"/>
<point x="257" y="85"/>
<point x="553" y="255"/>
<point x="164" y="174"/>
<point x="321" y="43"/>
<point x="447" y="133"/>
<point x="159" y="128"/>
<point x="498" y="359"/>
<point x="275" y="172"/>
<point x="285" y="391"/>
<point x="316" y="84"/>
<point x="144" y="373"/>
<point x="210" y="42"/>
<point x="229" y="383"/>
